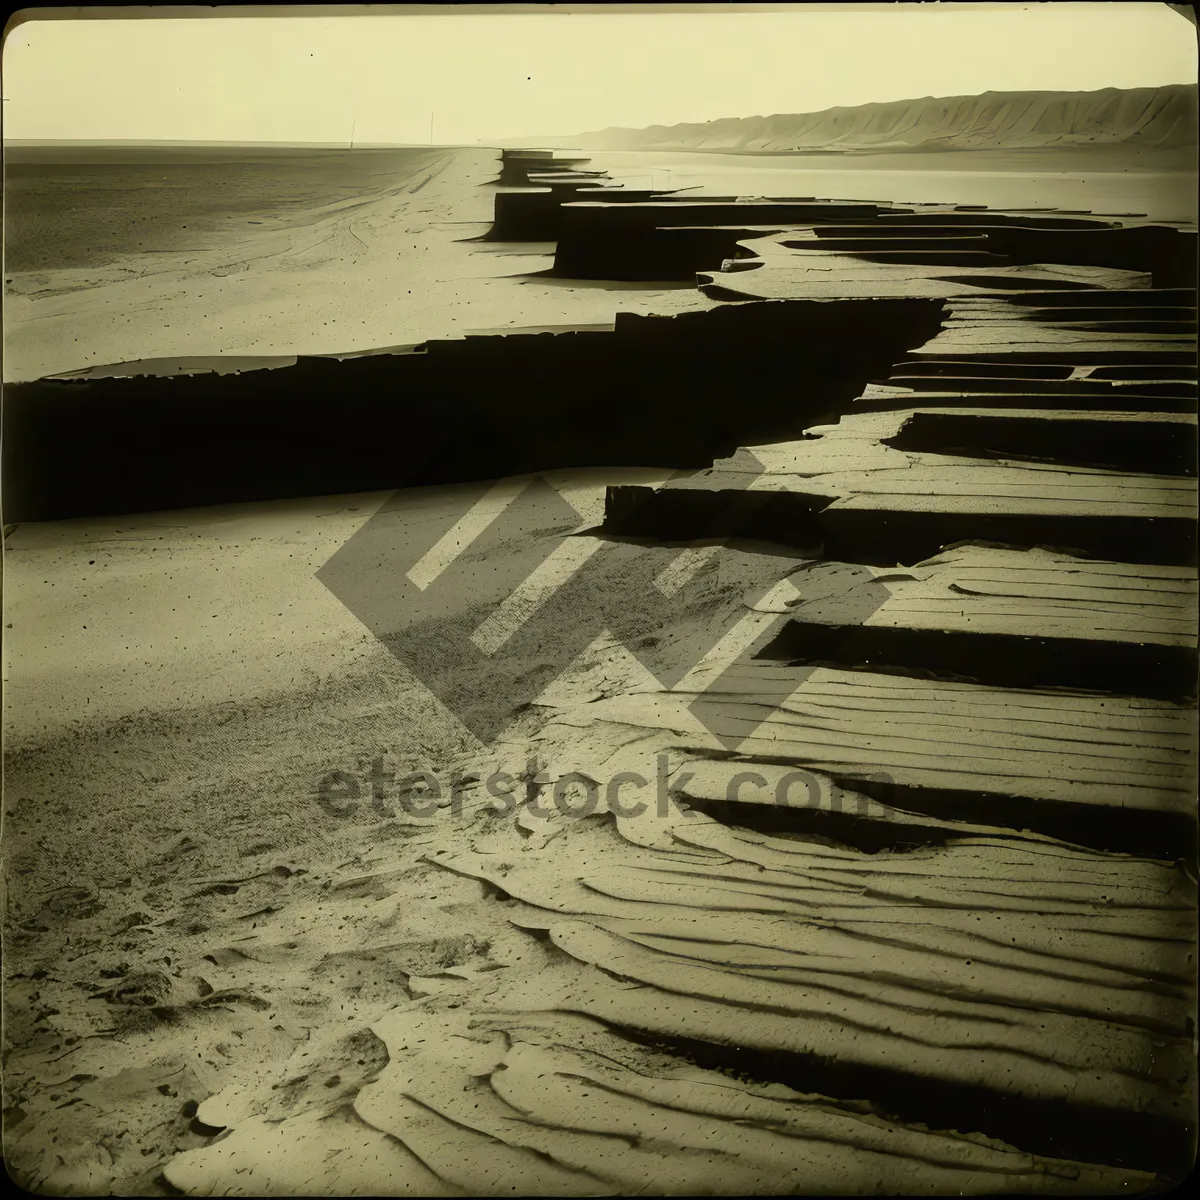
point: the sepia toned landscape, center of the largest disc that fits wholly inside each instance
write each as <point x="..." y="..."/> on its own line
<point x="649" y="662"/>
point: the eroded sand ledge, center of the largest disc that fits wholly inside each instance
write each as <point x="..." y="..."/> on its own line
<point x="945" y="967"/>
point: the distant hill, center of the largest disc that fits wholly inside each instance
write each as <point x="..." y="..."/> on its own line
<point x="1161" y="117"/>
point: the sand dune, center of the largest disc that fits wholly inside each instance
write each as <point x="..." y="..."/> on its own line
<point x="1162" y="117"/>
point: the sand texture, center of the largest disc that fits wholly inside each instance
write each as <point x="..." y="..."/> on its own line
<point x="221" y="257"/>
<point x="819" y="820"/>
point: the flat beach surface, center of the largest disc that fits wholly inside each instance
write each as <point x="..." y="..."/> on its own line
<point x="133" y="255"/>
<point x="1157" y="183"/>
<point x="233" y="254"/>
<point x="178" y="684"/>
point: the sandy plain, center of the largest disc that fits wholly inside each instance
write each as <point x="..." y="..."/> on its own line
<point x="177" y="684"/>
<point x="313" y="254"/>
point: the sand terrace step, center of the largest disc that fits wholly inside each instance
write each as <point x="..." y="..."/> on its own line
<point x="1115" y="297"/>
<point x="569" y="179"/>
<point x="1024" y="758"/>
<point x="977" y="587"/>
<point x="526" y="214"/>
<point x="938" y="258"/>
<point x="597" y="215"/>
<point x="822" y="239"/>
<point x="881" y="398"/>
<point x="1165" y="254"/>
<point x="516" y="166"/>
<point x="1169" y="252"/>
<point x="1033" y="219"/>
<point x="979" y="308"/>
<point x="1072" y="722"/>
<point x="872" y="502"/>
<point x="895" y="225"/>
<point x="1075" y="349"/>
<point x="1082" y="385"/>
<point x="1002" y="366"/>
<point x="1135" y="349"/>
<point x="1150" y="322"/>
<point x="1001" y="617"/>
<point x="1152" y="442"/>
<point x="1020" y="329"/>
<point x="1009" y="741"/>
<point x="779" y="274"/>
<point x="666" y="252"/>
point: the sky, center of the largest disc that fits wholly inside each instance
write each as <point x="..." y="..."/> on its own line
<point x="322" y="78"/>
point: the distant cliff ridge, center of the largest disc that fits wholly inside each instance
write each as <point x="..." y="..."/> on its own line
<point x="1163" y="117"/>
